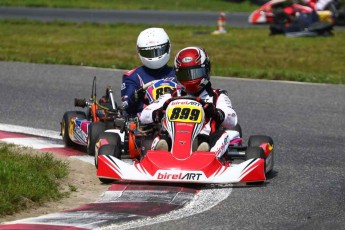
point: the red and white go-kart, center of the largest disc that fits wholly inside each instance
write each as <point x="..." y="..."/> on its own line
<point x="183" y="121"/>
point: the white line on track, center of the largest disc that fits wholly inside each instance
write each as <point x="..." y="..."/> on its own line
<point x="38" y="143"/>
<point x="31" y="131"/>
<point x="203" y="201"/>
<point x="32" y="142"/>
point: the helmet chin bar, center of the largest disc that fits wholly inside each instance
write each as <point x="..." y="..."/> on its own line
<point x="202" y="85"/>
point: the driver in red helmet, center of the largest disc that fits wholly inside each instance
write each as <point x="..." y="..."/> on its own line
<point x="192" y="69"/>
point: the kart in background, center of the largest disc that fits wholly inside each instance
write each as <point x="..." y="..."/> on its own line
<point x="293" y="20"/>
<point x="265" y="13"/>
<point x="82" y="129"/>
<point x="183" y="121"/>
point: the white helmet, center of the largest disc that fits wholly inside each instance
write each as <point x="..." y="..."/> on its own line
<point x="153" y="46"/>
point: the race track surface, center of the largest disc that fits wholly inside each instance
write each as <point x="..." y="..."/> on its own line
<point x="128" y="16"/>
<point x="306" y="121"/>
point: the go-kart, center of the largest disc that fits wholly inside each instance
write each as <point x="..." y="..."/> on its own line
<point x="183" y="121"/>
<point x="82" y="129"/>
<point x="293" y="20"/>
<point x="302" y="25"/>
<point x="266" y="13"/>
<point x="129" y="133"/>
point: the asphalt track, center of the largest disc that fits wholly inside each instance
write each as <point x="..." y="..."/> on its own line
<point x="150" y="17"/>
<point x="130" y="16"/>
<point x="306" y="121"/>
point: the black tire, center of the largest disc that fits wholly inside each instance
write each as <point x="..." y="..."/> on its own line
<point x="114" y="141"/>
<point x="106" y="150"/>
<point x="95" y="129"/>
<point x="109" y="124"/>
<point x="256" y="141"/>
<point x="65" y="126"/>
<point x="254" y="152"/>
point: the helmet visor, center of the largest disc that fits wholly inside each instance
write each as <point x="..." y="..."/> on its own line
<point x="185" y="74"/>
<point x="154" y="51"/>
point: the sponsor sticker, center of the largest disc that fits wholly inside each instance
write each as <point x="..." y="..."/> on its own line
<point x="187" y="59"/>
<point x="181" y="176"/>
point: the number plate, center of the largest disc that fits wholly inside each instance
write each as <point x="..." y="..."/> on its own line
<point x="185" y="113"/>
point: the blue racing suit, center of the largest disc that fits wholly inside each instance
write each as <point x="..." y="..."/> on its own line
<point x="136" y="78"/>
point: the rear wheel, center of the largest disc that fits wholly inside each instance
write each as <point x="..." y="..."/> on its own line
<point x="94" y="130"/>
<point x="65" y="126"/>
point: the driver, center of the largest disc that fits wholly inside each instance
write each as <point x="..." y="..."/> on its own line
<point x="192" y="67"/>
<point x="153" y="47"/>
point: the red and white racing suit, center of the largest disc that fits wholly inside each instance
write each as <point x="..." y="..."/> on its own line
<point x="221" y="100"/>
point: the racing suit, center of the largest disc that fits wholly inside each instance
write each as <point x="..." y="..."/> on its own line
<point x="211" y="133"/>
<point x="136" y="78"/>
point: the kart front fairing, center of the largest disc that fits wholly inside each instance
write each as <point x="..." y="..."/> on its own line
<point x="184" y="120"/>
<point x="201" y="167"/>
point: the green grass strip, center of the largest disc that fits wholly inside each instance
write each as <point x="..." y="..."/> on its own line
<point x="242" y="52"/>
<point x="178" y="5"/>
<point x="27" y="180"/>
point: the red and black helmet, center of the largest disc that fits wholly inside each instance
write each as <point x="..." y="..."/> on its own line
<point x="192" y="68"/>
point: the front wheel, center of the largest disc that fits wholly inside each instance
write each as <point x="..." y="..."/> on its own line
<point x="255" y="152"/>
<point x="94" y="130"/>
<point x="256" y="141"/>
<point x="112" y="146"/>
<point x="106" y="150"/>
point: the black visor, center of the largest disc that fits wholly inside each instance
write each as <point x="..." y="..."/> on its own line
<point x="154" y="51"/>
<point x="185" y="74"/>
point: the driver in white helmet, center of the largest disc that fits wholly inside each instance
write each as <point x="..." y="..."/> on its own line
<point x="153" y="47"/>
<point x="192" y="68"/>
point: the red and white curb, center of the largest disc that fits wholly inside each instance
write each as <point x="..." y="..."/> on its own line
<point x="124" y="205"/>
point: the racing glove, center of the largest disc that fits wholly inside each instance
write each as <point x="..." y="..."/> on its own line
<point x="212" y="112"/>
<point x="139" y="95"/>
<point x="157" y="115"/>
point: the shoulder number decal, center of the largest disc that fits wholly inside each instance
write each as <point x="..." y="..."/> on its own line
<point x="159" y="91"/>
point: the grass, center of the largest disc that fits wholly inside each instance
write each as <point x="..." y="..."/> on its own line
<point x="190" y="5"/>
<point x="242" y="52"/>
<point x="28" y="180"/>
